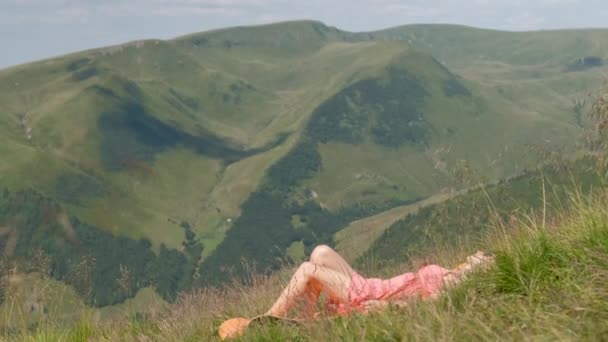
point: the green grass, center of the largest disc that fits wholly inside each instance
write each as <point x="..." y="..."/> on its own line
<point x="548" y="283"/>
<point x="35" y="299"/>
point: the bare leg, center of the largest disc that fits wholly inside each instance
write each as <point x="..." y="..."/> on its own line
<point x="325" y="256"/>
<point x="311" y="299"/>
<point x="307" y="282"/>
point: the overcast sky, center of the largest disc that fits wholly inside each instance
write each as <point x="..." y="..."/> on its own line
<point x="36" y="29"/>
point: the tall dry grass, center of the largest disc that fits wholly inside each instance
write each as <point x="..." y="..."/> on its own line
<point x="549" y="282"/>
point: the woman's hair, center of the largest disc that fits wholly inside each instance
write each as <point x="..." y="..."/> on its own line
<point x="479" y="258"/>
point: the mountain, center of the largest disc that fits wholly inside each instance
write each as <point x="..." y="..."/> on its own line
<point x="259" y="142"/>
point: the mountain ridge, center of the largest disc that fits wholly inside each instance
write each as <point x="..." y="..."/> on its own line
<point x="397" y="30"/>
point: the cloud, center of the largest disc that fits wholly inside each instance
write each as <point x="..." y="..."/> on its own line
<point x="267" y="18"/>
<point x="525" y="22"/>
<point x="214" y="2"/>
<point x="560" y="2"/>
<point x="65" y="11"/>
<point x="35" y="2"/>
<point x="177" y="11"/>
<point x="346" y="14"/>
<point x="411" y="11"/>
<point x="175" y="8"/>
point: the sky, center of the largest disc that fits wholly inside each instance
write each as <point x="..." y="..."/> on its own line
<point x="37" y="29"/>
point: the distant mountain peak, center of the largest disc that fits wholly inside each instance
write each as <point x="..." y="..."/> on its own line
<point x="288" y="34"/>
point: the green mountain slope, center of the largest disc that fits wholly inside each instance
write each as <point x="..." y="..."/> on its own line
<point x="266" y="140"/>
<point x="535" y="194"/>
<point x="365" y="149"/>
<point x="535" y="69"/>
<point x="463" y="45"/>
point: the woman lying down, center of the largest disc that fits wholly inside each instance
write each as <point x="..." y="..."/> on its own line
<point x="347" y="291"/>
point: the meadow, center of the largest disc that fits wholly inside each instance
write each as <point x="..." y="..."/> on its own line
<point x="547" y="283"/>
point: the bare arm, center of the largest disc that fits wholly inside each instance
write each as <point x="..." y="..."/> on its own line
<point x="380" y="305"/>
<point x="478" y="260"/>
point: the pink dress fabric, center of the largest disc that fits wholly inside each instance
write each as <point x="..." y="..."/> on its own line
<point x="424" y="283"/>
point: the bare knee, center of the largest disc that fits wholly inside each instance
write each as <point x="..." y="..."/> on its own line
<point x="307" y="270"/>
<point x="320" y="254"/>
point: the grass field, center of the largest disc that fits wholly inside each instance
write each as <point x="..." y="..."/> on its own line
<point x="537" y="260"/>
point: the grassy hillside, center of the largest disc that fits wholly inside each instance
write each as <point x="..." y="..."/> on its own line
<point x="274" y="138"/>
<point x="38" y="236"/>
<point x="366" y="149"/>
<point x="354" y="240"/>
<point x="537" y="260"/>
<point x="462" y="45"/>
<point x="535" y="68"/>
<point x="542" y="193"/>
